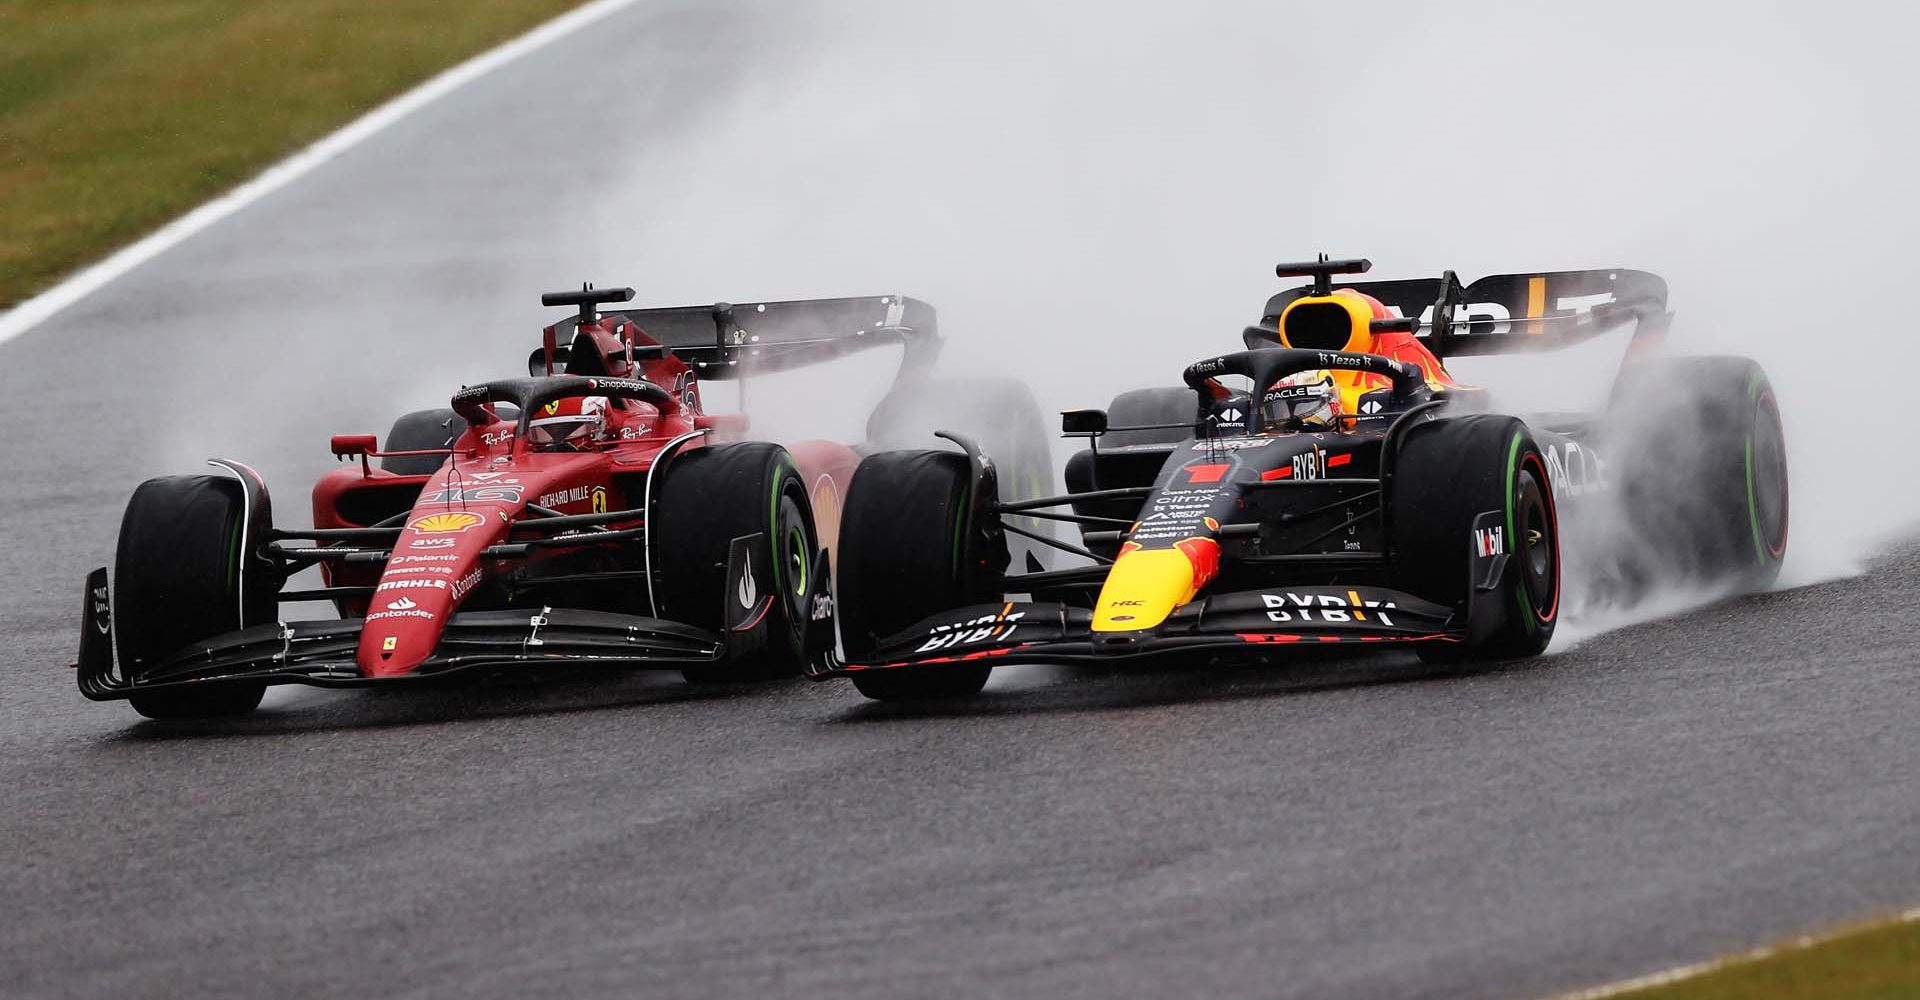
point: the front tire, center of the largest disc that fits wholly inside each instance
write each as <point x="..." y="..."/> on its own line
<point x="909" y="548"/>
<point x="1447" y="473"/>
<point x="177" y="580"/>
<point x="708" y="497"/>
<point x="1002" y="417"/>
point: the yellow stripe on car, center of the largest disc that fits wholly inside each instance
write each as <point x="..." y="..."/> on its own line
<point x="1142" y="589"/>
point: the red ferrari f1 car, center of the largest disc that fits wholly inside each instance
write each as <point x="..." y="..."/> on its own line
<point x="1331" y="484"/>
<point x="592" y="513"/>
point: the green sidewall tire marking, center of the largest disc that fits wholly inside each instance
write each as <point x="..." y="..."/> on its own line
<point x="1513" y="466"/>
<point x="1520" y="592"/>
<point x="959" y="527"/>
<point x="773" y="524"/>
<point x="233" y="556"/>
<point x="1753" y="509"/>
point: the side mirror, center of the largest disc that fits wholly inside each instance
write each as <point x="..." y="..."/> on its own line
<point x="537" y="361"/>
<point x="349" y="445"/>
<point x="1083" y="423"/>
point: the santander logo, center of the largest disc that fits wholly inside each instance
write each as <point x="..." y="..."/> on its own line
<point x="400" y="605"/>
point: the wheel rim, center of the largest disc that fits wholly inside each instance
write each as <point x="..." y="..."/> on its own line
<point x="1767" y="481"/>
<point x="797" y="559"/>
<point x="793" y="554"/>
<point x="1537" y="549"/>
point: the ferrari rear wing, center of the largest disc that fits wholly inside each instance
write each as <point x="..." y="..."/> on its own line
<point x="1507" y="313"/>
<point x="731" y="340"/>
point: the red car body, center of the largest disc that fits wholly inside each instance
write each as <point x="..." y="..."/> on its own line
<point x="508" y="554"/>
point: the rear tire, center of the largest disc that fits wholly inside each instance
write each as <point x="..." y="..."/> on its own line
<point x="705" y="499"/>
<point x="909" y="549"/>
<point x="177" y="581"/>
<point x="420" y="431"/>
<point x="1711" y="504"/>
<point x="1447" y="473"/>
<point x="1159" y="405"/>
<point x="1128" y="458"/>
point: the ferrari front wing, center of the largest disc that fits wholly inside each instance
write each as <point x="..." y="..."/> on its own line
<point x="321" y="653"/>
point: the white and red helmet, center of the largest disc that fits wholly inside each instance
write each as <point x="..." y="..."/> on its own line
<point x="573" y="423"/>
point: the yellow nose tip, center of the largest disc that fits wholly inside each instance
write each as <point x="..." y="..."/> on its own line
<point x="1142" y="589"/>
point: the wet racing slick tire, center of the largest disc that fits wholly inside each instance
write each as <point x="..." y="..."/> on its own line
<point x="1001" y="416"/>
<point x="419" y="431"/>
<point x="1151" y="407"/>
<point x="705" y="499"/>
<point x="910" y="548"/>
<point x="176" y="581"/>
<point x="1446" y="473"/>
<point x="1699" y="457"/>
<point x="1091" y="471"/>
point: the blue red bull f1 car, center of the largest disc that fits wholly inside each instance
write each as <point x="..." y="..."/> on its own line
<point x="1332" y="484"/>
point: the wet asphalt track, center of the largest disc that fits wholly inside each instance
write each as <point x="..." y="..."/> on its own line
<point x="1359" y="829"/>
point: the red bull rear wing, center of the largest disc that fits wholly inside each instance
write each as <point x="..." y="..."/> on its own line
<point x="1506" y="313"/>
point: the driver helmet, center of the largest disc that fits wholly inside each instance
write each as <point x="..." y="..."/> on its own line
<point x="571" y="423"/>
<point x="1305" y="401"/>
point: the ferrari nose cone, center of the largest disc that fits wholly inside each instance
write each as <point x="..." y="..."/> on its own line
<point x="403" y="626"/>
<point x="434" y="562"/>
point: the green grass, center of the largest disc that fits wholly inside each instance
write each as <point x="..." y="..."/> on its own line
<point x="119" y="115"/>
<point x="1875" y="962"/>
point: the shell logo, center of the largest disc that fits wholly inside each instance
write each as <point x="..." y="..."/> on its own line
<point x="438" y="524"/>
<point x="826" y="513"/>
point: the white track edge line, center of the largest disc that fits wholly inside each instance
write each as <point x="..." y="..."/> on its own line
<point x="91" y="278"/>
<point x="1679" y="973"/>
